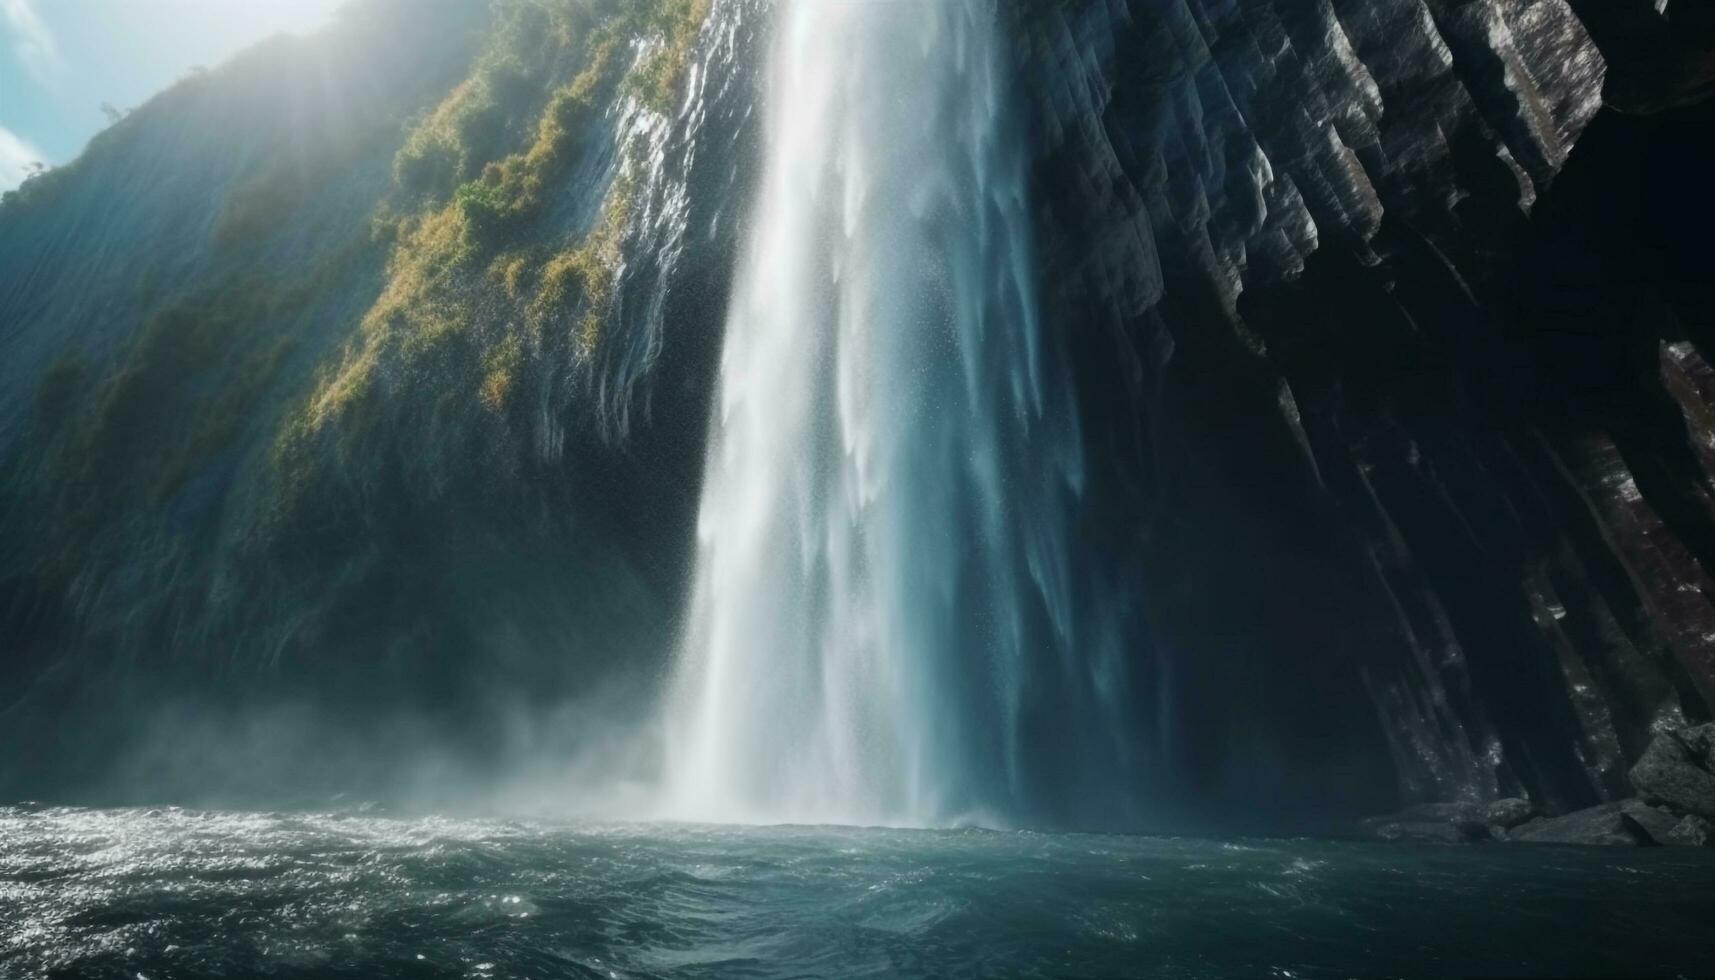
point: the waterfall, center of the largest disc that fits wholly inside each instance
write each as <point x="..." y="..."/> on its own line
<point x="887" y="623"/>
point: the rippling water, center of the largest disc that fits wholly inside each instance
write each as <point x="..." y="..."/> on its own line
<point x="178" y="893"/>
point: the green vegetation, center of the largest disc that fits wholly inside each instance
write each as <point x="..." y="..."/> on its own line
<point x="361" y="82"/>
<point x="267" y="198"/>
<point x="476" y="284"/>
<point x="657" y="79"/>
<point x="502" y="364"/>
<point x="586" y="274"/>
<point x="210" y="448"/>
<point x="330" y="313"/>
<point x="471" y="127"/>
<point x="118" y="437"/>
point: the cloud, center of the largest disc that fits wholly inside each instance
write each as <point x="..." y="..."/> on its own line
<point x="16" y="159"/>
<point x="31" y="40"/>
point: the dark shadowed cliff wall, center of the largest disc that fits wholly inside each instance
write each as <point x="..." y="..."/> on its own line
<point x="1404" y="394"/>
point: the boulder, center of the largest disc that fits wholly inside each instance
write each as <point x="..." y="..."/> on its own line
<point x="1449" y="823"/>
<point x="1675" y="770"/>
<point x="1432" y="831"/>
<point x="1692" y="831"/>
<point x="1655" y="821"/>
<point x="1452" y="822"/>
<point x="1508" y="813"/>
<point x="1606" y="825"/>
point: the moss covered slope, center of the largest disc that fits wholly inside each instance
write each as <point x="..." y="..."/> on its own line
<point x="298" y="357"/>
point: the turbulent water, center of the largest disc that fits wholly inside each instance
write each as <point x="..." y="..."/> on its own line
<point x="171" y="893"/>
<point x="885" y="626"/>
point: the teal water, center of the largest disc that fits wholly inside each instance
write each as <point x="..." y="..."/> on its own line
<point x="176" y="893"/>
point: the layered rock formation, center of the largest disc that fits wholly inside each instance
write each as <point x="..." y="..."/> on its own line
<point x="1674" y="779"/>
<point x="1406" y="379"/>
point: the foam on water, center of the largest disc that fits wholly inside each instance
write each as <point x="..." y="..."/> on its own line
<point x="180" y="893"/>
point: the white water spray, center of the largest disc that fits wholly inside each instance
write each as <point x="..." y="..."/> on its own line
<point x="884" y="621"/>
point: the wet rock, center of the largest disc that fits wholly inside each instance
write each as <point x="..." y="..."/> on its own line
<point x="1504" y="813"/>
<point x="1433" y="831"/>
<point x="1326" y="188"/>
<point x="1450" y="823"/>
<point x="1605" y="825"/>
<point x="1691" y="831"/>
<point x="1675" y="770"/>
<point x="1508" y="813"/>
<point x="1657" y="822"/>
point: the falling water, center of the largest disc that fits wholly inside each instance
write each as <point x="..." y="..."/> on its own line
<point x="885" y="625"/>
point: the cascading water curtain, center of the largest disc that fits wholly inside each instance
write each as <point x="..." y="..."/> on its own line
<point x="888" y="622"/>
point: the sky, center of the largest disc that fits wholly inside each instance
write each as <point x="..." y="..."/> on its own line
<point x="60" y="60"/>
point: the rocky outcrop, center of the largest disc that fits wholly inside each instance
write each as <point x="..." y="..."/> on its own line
<point x="1606" y="825"/>
<point x="1656" y="823"/>
<point x="1625" y="823"/>
<point x="329" y="424"/>
<point x="1692" y="831"/>
<point x="1673" y="779"/>
<point x="1508" y="813"/>
<point x="1676" y="770"/>
<point x="1449" y="821"/>
<point x="1431" y="832"/>
<point x="1392" y="338"/>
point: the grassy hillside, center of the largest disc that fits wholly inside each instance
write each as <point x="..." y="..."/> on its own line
<point x="297" y="366"/>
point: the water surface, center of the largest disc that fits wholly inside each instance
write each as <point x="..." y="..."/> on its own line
<point x="178" y="893"/>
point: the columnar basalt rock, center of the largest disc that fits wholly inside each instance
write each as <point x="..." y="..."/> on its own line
<point x="1377" y="283"/>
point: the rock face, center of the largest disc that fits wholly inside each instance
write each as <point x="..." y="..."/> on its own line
<point x="1631" y="823"/>
<point x="1395" y="342"/>
<point x="1692" y="831"/>
<point x="357" y="421"/>
<point x="1446" y="823"/>
<point x="1657" y="824"/>
<point x="1508" y="813"/>
<point x="1431" y="831"/>
<point x="1505" y="813"/>
<point x="1604" y="825"/>
<point x="1676" y="770"/>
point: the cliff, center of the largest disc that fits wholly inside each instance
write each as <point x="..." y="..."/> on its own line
<point x="322" y="420"/>
<point x="1402" y="337"/>
<point x="341" y="421"/>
